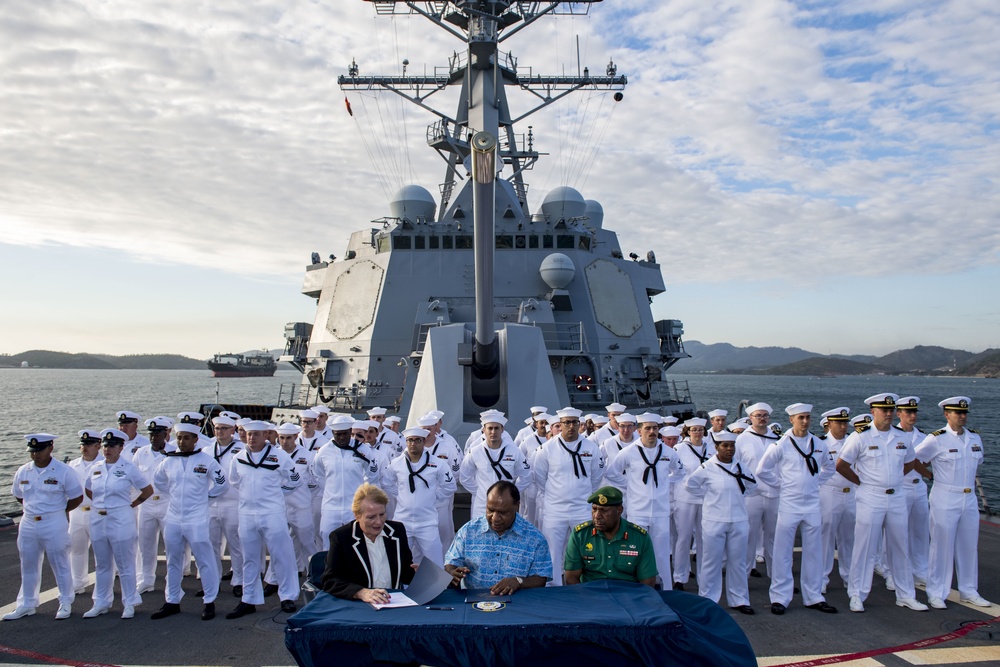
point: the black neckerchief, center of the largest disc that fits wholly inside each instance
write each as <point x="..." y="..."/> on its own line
<point x="354" y="449"/>
<point x="263" y="457"/>
<point x="738" y="475"/>
<point x="413" y="485"/>
<point x="577" y="459"/>
<point x="701" y="457"/>
<point x="178" y="452"/>
<point x="498" y="470"/>
<point x="218" y="457"/>
<point x="650" y="467"/>
<point x="810" y="461"/>
<point x="765" y="436"/>
<point x="312" y="441"/>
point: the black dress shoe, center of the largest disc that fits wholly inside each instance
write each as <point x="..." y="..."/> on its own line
<point x="237" y="591"/>
<point x="744" y="609"/>
<point x="824" y="607"/>
<point x="168" y="609"/>
<point x="227" y="576"/>
<point x="270" y="589"/>
<point x="288" y="606"/>
<point x="200" y="593"/>
<point x="242" y="609"/>
<point x="678" y="586"/>
<point x="208" y="613"/>
<point x="777" y="608"/>
<point x="754" y="573"/>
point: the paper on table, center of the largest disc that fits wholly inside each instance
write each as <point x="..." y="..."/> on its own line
<point x="395" y="600"/>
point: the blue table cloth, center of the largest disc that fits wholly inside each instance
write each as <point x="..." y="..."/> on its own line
<point x="598" y="623"/>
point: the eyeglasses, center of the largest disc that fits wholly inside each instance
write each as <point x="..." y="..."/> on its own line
<point x="569" y="422"/>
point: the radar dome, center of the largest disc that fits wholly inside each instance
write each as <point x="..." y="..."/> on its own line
<point x="412" y="202"/>
<point x="557" y="270"/>
<point x="595" y="213"/>
<point x="563" y="203"/>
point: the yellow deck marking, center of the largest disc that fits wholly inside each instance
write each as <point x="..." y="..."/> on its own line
<point x="784" y="659"/>
<point x="947" y="656"/>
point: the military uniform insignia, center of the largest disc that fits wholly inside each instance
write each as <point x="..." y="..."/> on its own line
<point x="632" y="526"/>
<point x="489" y="606"/>
<point x="119" y="473"/>
<point x="582" y="526"/>
<point x="200" y="469"/>
<point x="589" y="546"/>
<point x="864" y="428"/>
<point x="963" y="403"/>
<point x="602" y="499"/>
<point x="939" y="431"/>
<point x="51" y="481"/>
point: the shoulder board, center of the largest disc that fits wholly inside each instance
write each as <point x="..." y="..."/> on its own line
<point x="939" y="431"/>
<point x="583" y="526"/>
<point x="632" y="526"/>
<point x="864" y="428"/>
<point x="972" y="430"/>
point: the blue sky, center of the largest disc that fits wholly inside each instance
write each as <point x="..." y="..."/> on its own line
<point x="811" y="174"/>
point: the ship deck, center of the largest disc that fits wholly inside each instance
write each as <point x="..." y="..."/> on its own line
<point x="884" y="635"/>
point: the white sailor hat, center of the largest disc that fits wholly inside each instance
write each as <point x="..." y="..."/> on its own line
<point x="600" y="420"/>
<point x="718" y="413"/>
<point x="223" y="421"/>
<point x="885" y="400"/>
<point x="427" y="420"/>
<point x="543" y="417"/>
<point x="528" y="421"/>
<point x="626" y="418"/>
<point x="841" y="414"/>
<point x="392" y="419"/>
<point x="695" y="421"/>
<point x="437" y="414"/>
<point x="308" y="414"/>
<point x="739" y="424"/>
<point x="750" y="409"/>
<point x="364" y="425"/>
<point x="615" y="407"/>
<point x="288" y="428"/>
<point x="258" y="425"/>
<point x="112" y="436"/>
<point x="187" y="428"/>
<point x="39" y="441"/>
<point x="535" y="409"/>
<point x="798" y="409"/>
<point x="159" y="423"/>
<point x="670" y="420"/>
<point x="589" y="417"/>
<point x="89" y="436"/>
<point x="341" y="423"/>
<point x="492" y="417"/>
<point x="321" y="409"/>
<point x="415" y="432"/>
<point x="229" y="413"/>
<point x="956" y="403"/>
<point x="648" y="418"/>
<point x="376" y="412"/>
<point x="243" y="421"/>
<point x="571" y="413"/>
<point x="862" y="419"/>
<point x="127" y="417"/>
<point x="670" y="432"/>
<point x="553" y="419"/>
<point x="908" y="403"/>
<point x="724" y="436"/>
<point x="191" y="418"/>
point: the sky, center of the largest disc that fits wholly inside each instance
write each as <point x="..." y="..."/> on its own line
<point x="811" y="174"/>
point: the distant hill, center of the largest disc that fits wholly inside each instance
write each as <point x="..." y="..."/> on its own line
<point x="821" y="366"/>
<point x="984" y="364"/>
<point x="923" y="359"/>
<point x="50" y="359"/>
<point x="166" y="362"/>
<point x="717" y="357"/>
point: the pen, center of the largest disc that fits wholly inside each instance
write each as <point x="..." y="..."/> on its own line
<point x="440" y="608"/>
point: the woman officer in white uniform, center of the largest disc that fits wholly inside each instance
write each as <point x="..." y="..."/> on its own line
<point x="112" y="523"/>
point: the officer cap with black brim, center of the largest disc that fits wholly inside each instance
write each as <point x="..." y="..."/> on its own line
<point x="956" y="404"/>
<point x="39" y="441"/>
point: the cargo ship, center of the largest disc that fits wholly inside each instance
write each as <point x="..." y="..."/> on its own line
<point x="257" y="364"/>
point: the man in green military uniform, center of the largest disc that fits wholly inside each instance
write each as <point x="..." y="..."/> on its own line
<point x="608" y="547"/>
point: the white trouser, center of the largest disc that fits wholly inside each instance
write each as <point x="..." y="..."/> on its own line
<point x="425" y="541"/>
<point x="556" y="531"/>
<point x="331" y="519"/>
<point x="658" y="529"/>
<point x="224" y="521"/>
<point x="723" y="540"/>
<point x="528" y="503"/>
<point x="811" y="572"/>
<point x="46" y="534"/>
<point x="79" y="545"/>
<point x="322" y="539"/>
<point x="878" y="510"/>
<point x="113" y="534"/>
<point x="839" y="509"/>
<point x="954" y="540"/>
<point x="271" y="531"/>
<point x="763" y="515"/>
<point x="919" y="532"/>
<point x="176" y="537"/>
<point x="300" y="528"/>
<point x="446" y="522"/>
<point x="687" y="517"/>
<point x="151" y="525"/>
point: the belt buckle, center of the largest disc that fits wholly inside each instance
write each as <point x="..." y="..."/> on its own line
<point x="155" y="498"/>
<point x="916" y="481"/>
<point x="966" y="490"/>
<point x="846" y="489"/>
<point x="102" y="512"/>
<point x="85" y="509"/>
<point x="889" y="492"/>
<point x="37" y="518"/>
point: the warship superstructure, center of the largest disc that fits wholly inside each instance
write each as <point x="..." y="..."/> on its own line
<point x="475" y="301"/>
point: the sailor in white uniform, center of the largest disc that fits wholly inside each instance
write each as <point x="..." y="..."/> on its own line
<point x="311" y="441"/>
<point x="627" y="434"/>
<point x="322" y="425"/>
<point x="419" y="480"/>
<point x="385" y="437"/>
<point x="298" y="503"/>
<point x="48" y="490"/>
<point x="128" y="423"/>
<point x="876" y="458"/>
<point x="798" y="463"/>
<point x="223" y="509"/>
<point x="529" y="426"/>
<point x="762" y="508"/>
<point x="716" y="425"/>
<point x="340" y="467"/>
<point x="955" y="453"/>
<point x="917" y="506"/>
<point x="264" y="474"/>
<point x="837" y="502"/>
<point x="79" y="519"/>
<point x="568" y="468"/>
<point x="151" y="515"/>
<point x="190" y="476"/>
<point x="645" y="470"/>
<point x="113" y="530"/>
<point x="528" y="446"/>
<point x="723" y="484"/>
<point x="445" y="448"/>
<point x="494" y="459"/>
<point x="693" y="451"/>
<point x="609" y="429"/>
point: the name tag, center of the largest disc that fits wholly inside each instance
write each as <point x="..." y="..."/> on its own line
<point x="872" y="447"/>
<point x="952" y="451"/>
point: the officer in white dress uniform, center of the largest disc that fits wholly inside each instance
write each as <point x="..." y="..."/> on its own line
<point x="419" y="481"/>
<point x="693" y="451"/>
<point x="917" y="505"/>
<point x="723" y="484"/>
<point x="837" y="502"/>
<point x="152" y="514"/>
<point x="798" y="463"/>
<point x="79" y="519"/>
<point x="762" y="508"/>
<point x="113" y="530"/>
<point x="495" y="458"/>
<point x="444" y="447"/>
<point x="610" y="428"/>
<point x="223" y="509"/>
<point x="48" y="490"/>
<point x="128" y="423"/>
<point x="190" y="476"/>
<point x="955" y="453"/>
<point x="876" y="458"/>
<point x="568" y="468"/>
<point x="645" y="470"/>
<point x="298" y="503"/>
<point x="340" y="467"/>
<point x="264" y="474"/>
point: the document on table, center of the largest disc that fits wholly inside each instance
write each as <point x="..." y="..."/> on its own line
<point x="397" y="599"/>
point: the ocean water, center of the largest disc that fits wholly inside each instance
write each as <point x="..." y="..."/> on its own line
<point x="62" y="402"/>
